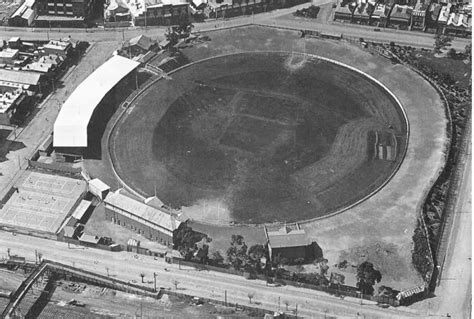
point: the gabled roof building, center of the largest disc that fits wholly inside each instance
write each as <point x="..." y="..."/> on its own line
<point x="289" y="242"/>
<point x="152" y="222"/>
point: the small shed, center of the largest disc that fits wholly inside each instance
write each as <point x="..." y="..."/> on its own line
<point x="80" y="210"/>
<point x="98" y="188"/>
<point x="89" y="239"/>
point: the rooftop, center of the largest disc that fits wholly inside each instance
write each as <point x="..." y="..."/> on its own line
<point x="30" y="78"/>
<point x="142" y="211"/>
<point x="400" y="12"/>
<point x="288" y="237"/>
<point x="142" y="41"/>
<point x="100" y="185"/>
<point x="7" y="99"/>
<point x="38" y="67"/>
<point x="70" y="127"/>
<point x="9" y="53"/>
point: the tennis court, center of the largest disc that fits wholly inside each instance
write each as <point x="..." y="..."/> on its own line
<point x="42" y="201"/>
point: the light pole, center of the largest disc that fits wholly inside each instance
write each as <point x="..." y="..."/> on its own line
<point x="154" y="279"/>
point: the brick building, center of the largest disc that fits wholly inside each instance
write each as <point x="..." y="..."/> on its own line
<point x="290" y="242"/>
<point x="153" y="223"/>
<point x="158" y="12"/>
<point x="232" y="8"/>
<point x="68" y="8"/>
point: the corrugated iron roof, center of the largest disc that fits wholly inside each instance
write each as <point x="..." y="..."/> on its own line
<point x="81" y="209"/>
<point x="142" y="211"/>
<point x="100" y="185"/>
<point x="142" y="41"/>
<point x="30" y="78"/>
<point x="70" y="127"/>
<point x="286" y="237"/>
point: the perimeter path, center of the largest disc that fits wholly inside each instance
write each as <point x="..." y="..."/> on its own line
<point x="125" y="266"/>
<point x="42" y="123"/>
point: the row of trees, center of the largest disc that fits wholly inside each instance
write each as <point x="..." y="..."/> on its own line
<point x="194" y="246"/>
<point x="242" y="258"/>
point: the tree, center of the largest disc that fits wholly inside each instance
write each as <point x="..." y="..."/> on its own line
<point x="256" y="253"/>
<point x="337" y="279"/>
<point x="175" y="284"/>
<point x="366" y="277"/>
<point x="184" y="26"/>
<point x="185" y="240"/>
<point x="172" y="37"/>
<point x="237" y="252"/>
<point x="250" y="295"/>
<point x="451" y="53"/>
<point x="441" y="42"/>
<point x="467" y="51"/>
<point x="236" y="240"/>
<point x="143" y="276"/>
<point x="217" y="258"/>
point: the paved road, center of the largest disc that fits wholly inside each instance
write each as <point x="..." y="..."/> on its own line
<point x="124" y="266"/>
<point x="272" y="18"/>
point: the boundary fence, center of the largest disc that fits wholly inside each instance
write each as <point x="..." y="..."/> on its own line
<point x="446" y="221"/>
<point x="337" y="290"/>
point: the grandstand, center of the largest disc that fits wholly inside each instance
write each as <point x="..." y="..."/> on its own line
<point x="71" y="126"/>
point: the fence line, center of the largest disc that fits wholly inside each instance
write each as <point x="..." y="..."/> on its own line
<point x="449" y="209"/>
<point x="339" y="290"/>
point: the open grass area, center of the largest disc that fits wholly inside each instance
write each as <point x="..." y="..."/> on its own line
<point x="245" y="131"/>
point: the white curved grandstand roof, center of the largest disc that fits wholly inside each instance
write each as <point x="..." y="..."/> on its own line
<point x="70" y="128"/>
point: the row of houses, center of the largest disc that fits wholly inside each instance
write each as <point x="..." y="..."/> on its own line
<point x="424" y="15"/>
<point x="27" y="70"/>
<point x="168" y="12"/>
